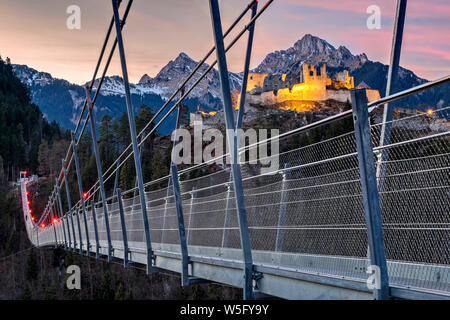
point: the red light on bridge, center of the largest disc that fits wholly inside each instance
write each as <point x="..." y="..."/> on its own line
<point x="43" y="226"/>
<point x="29" y="211"/>
<point x="28" y="193"/>
<point x="55" y="220"/>
<point x="85" y="195"/>
<point x="33" y="218"/>
<point x="25" y="172"/>
<point x="28" y="202"/>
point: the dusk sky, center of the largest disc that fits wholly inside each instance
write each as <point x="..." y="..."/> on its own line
<point x="35" y="33"/>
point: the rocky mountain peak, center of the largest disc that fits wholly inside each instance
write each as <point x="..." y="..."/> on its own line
<point x="310" y="44"/>
<point x="184" y="57"/>
<point x="310" y="49"/>
<point x="145" y="79"/>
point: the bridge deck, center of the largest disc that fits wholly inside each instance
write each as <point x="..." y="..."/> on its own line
<point x="307" y="228"/>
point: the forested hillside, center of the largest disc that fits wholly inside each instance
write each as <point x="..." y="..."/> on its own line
<point x="22" y="126"/>
<point x="29" y="142"/>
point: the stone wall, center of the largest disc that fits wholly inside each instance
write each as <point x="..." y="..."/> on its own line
<point x="302" y="92"/>
<point x="255" y="80"/>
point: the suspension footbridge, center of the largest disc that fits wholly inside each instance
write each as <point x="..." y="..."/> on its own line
<point x="372" y="200"/>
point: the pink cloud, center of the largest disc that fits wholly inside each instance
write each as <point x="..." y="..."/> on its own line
<point x="440" y="53"/>
<point x="415" y="9"/>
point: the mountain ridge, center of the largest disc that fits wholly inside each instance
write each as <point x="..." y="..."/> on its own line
<point x="60" y="100"/>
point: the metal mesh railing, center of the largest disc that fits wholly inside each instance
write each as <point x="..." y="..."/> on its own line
<point x="308" y="213"/>
<point x="414" y="190"/>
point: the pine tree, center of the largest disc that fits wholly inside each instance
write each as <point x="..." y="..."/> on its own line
<point x="26" y="293"/>
<point x="123" y="133"/>
<point x="106" y="143"/>
<point x="144" y="116"/>
<point x="106" y="292"/>
<point x="32" y="266"/>
<point x="120" y="293"/>
<point x="50" y="292"/>
<point x="43" y="156"/>
<point x="2" y="172"/>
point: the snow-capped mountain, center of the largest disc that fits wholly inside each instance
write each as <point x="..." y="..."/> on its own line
<point x="170" y="78"/>
<point x="173" y="74"/>
<point x="60" y="100"/>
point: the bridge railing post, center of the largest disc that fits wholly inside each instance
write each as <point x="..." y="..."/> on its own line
<point x="135" y="193"/>
<point x="77" y="211"/>
<point x="94" y="220"/>
<point x="371" y="201"/>
<point x="80" y="189"/>
<point x="191" y="213"/>
<point x="282" y="211"/>
<point x="132" y="124"/>
<point x="232" y="144"/>
<point x="55" y="220"/>
<point x="227" y="218"/>
<point x="123" y="227"/>
<point x="116" y="179"/>
<point x="69" y="202"/>
<point x="55" y="210"/>
<point x="166" y="205"/>
<point x="99" y="171"/>
<point x="67" y="240"/>
<point x="62" y="236"/>
<point x="52" y="217"/>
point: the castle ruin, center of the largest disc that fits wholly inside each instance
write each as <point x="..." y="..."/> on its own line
<point x="309" y="84"/>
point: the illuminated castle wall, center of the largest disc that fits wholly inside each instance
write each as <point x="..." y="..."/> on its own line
<point x="308" y="85"/>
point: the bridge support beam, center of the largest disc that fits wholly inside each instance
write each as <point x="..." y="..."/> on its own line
<point x="181" y="227"/>
<point x="371" y="200"/>
<point x="137" y="159"/>
<point x="69" y="201"/>
<point x="248" y="54"/>
<point x="80" y="189"/>
<point x="185" y="280"/>
<point x="388" y="111"/>
<point x="282" y="210"/>
<point x="99" y="172"/>
<point x="123" y="227"/>
<point x="232" y="145"/>
<point x="135" y="193"/>
<point x="67" y="239"/>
